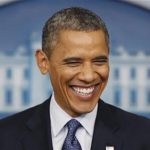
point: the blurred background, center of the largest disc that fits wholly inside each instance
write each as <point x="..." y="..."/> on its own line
<point x="21" y="21"/>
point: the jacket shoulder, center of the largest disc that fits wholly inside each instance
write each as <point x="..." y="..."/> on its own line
<point x="127" y="117"/>
<point x="17" y="121"/>
<point x="134" y="129"/>
<point x="15" y="127"/>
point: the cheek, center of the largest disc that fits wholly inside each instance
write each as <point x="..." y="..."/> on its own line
<point x="68" y="74"/>
<point x="55" y="78"/>
<point x="104" y="72"/>
<point x="60" y="77"/>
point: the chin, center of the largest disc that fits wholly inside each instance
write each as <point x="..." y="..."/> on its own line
<point x="83" y="110"/>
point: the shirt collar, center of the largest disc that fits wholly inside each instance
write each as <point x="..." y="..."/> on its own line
<point x="88" y="120"/>
<point x="59" y="118"/>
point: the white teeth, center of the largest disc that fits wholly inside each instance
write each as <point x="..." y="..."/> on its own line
<point x="83" y="91"/>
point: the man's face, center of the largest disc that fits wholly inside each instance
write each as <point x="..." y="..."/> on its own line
<point x="79" y="69"/>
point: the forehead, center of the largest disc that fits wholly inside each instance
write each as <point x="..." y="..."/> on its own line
<point x="80" y="42"/>
<point x="81" y="37"/>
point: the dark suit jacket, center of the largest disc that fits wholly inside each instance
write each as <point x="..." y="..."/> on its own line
<point x="30" y="130"/>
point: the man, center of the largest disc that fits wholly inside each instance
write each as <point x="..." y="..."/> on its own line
<point x="75" y="54"/>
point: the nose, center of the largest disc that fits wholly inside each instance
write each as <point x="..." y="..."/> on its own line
<point x="87" y="73"/>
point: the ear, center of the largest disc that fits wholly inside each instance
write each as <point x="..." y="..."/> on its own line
<point x="42" y="61"/>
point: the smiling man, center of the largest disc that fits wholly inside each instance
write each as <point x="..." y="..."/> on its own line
<point x="78" y="69"/>
<point x="75" y="54"/>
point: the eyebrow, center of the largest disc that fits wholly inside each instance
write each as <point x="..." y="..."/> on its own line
<point x="75" y="59"/>
<point x="103" y="57"/>
<point x="71" y="59"/>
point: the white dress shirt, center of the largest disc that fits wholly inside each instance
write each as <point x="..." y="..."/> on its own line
<point x="59" y="118"/>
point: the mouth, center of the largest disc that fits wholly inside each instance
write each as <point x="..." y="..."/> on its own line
<point x="84" y="92"/>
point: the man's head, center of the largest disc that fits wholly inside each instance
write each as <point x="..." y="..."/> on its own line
<point x="75" y="55"/>
<point x="76" y="19"/>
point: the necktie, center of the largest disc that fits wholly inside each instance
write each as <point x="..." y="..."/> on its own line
<point x="71" y="142"/>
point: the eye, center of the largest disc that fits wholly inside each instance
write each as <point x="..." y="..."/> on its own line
<point x="73" y="63"/>
<point x="100" y="62"/>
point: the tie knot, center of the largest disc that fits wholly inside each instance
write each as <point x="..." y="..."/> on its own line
<point x="71" y="142"/>
<point x="73" y="125"/>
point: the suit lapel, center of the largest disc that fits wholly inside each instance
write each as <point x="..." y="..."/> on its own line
<point x="105" y="131"/>
<point x="37" y="136"/>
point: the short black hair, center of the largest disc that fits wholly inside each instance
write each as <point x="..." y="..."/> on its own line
<point x="74" y="18"/>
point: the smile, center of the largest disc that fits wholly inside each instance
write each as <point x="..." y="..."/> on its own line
<point x="84" y="91"/>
